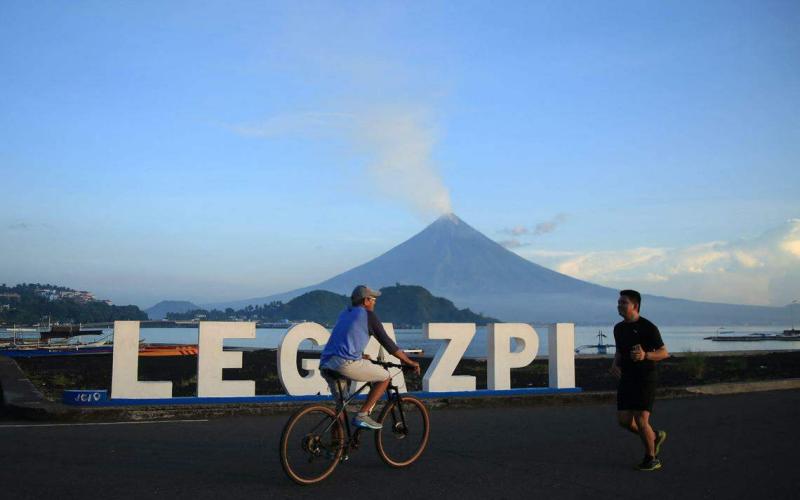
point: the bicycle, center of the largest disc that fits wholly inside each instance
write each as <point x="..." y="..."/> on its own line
<point x="317" y="438"/>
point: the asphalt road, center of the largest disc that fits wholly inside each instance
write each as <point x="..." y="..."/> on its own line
<point x="740" y="446"/>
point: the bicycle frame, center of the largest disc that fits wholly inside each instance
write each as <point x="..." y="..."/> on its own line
<point x="317" y="432"/>
<point x="392" y="393"/>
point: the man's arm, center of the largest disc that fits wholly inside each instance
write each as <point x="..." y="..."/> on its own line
<point x="614" y="370"/>
<point x="402" y="356"/>
<point x="376" y="328"/>
<point x="657" y="355"/>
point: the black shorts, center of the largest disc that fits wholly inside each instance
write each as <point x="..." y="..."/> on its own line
<point x="636" y="394"/>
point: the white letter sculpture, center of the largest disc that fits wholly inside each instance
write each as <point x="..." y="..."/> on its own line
<point x="373" y="347"/>
<point x="211" y="359"/>
<point x="439" y="376"/>
<point x="501" y="360"/>
<point x="125" y="368"/>
<point x="293" y="383"/>
<point x="561" y="355"/>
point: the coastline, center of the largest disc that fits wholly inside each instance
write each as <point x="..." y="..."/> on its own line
<point x="52" y="375"/>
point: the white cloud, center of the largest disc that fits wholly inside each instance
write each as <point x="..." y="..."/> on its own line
<point x="397" y="141"/>
<point x="549" y="226"/>
<point x="303" y="123"/>
<point x="513" y="243"/>
<point x="537" y="230"/>
<point x="760" y="270"/>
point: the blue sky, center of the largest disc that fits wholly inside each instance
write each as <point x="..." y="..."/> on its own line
<point x="216" y="151"/>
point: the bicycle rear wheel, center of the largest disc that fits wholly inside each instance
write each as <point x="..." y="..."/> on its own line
<point x="405" y="433"/>
<point x="311" y="444"/>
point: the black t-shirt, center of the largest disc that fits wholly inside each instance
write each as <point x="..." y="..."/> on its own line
<point x="642" y="332"/>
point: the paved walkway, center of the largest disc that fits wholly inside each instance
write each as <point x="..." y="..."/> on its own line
<point x="728" y="446"/>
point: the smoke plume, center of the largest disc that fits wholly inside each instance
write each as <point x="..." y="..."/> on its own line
<point x="397" y="143"/>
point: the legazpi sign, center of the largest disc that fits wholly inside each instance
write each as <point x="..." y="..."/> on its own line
<point x="438" y="378"/>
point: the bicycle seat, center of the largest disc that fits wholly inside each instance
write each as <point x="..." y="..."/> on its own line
<point x="332" y="374"/>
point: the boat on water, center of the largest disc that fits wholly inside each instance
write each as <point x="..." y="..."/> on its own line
<point x="601" y="346"/>
<point x="755" y="337"/>
<point x="145" y="350"/>
<point x="70" y="340"/>
<point x="161" y="350"/>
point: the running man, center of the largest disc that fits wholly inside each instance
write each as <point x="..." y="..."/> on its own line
<point x="639" y="347"/>
<point x="344" y="351"/>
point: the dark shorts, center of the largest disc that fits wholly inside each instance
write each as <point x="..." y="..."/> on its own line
<point x="636" y="394"/>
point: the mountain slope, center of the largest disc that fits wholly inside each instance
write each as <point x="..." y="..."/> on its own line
<point x="452" y="259"/>
<point x="160" y="310"/>
<point x="402" y="305"/>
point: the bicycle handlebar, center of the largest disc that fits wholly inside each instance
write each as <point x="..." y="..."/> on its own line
<point x="386" y="364"/>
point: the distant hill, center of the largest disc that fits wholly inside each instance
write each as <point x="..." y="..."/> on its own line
<point x="402" y="305"/>
<point x="453" y="260"/>
<point x="32" y="303"/>
<point x="160" y="310"/>
<point x="409" y="305"/>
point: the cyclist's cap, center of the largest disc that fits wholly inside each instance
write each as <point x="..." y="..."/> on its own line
<point x="362" y="292"/>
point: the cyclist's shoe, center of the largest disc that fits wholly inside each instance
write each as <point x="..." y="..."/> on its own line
<point x="365" y="422"/>
<point x="649" y="464"/>
<point x="330" y="455"/>
<point x="660" y="438"/>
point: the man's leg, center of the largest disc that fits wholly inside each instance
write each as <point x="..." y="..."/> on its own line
<point x="363" y="371"/>
<point x="626" y="421"/>
<point x="648" y="437"/>
<point x="378" y="388"/>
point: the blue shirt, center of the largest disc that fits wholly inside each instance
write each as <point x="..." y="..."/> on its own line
<point x="351" y="335"/>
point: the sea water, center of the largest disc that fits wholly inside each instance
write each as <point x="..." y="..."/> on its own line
<point x="676" y="338"/>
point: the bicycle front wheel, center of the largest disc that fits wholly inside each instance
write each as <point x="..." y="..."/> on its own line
<point x="311" y="444"/>
<point x="405" y="431"/>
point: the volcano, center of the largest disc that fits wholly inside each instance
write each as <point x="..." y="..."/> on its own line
<point x="453" y="260"/>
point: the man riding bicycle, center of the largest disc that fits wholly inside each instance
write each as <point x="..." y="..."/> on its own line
<point x="344" y="352"/>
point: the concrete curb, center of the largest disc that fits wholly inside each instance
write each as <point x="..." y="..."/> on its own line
<point x="22" y="400"/>
<point x="20" y="397"/>
<point x="736" y="388"/>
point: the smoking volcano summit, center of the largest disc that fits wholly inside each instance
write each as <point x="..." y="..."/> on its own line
<point x="454" y="260"/>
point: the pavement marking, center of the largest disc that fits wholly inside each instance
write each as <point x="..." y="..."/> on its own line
<point x="16" y="426"/>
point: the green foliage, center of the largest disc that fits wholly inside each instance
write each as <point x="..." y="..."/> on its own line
<point x="737" y="364"/>
<point x="694" y="364"/>
<point x="403" y="305"/>
<point x="410" y="305"/>
<point x="31" y="308"/>
<point x="318" y="306"/>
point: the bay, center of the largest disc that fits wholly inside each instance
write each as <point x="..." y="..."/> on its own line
<point x="676" y="338"/>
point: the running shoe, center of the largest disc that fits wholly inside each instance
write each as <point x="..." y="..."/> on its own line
<point x="649" y="464"/>
<point x="660" y="438"/>
<point x="365" y="422"/>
